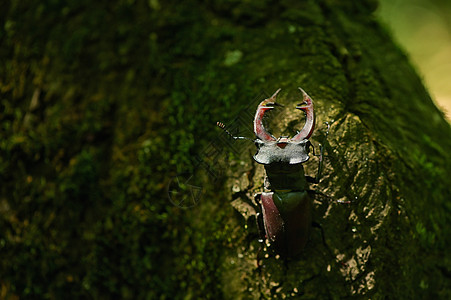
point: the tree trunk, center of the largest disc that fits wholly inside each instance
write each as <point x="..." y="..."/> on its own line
<point x="107" y="108"/>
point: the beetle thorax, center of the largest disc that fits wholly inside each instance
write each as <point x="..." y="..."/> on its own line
<point x="284" y="176"/>
<point x="282" y="152"/>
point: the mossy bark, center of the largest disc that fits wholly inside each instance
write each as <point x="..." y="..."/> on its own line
<point x="104" y="104"/>
<point x="387" y="153"/>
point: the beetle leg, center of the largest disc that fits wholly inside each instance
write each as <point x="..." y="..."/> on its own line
<point x="323" y="237"/>
<point x="317" y="178"/>
<point x="317" y="225"/>
<point x="261" y="227"/>
<point x="320" y="164"/>
<point x="321" y="155"/>
<point x="327" y="197"/>
<point x="321" y="152"/>
<point x="259" y="219"/>
<point x="266" y="183"/>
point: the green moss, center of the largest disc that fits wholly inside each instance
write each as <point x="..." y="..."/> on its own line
<point x="103" y="104"/>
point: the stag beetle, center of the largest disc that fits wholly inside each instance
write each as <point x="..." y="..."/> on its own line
<point x="285" y="216"/>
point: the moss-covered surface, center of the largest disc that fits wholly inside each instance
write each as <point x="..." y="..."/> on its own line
<point x="103" y="103"/>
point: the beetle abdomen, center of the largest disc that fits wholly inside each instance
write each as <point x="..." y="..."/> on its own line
<point x="287" y="220"/>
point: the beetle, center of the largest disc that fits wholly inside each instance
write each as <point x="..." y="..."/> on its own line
<point x="285" y="217"/>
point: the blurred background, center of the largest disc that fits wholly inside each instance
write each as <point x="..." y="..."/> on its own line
<point x="423" y="29"/>
<point x="97" y="118"/>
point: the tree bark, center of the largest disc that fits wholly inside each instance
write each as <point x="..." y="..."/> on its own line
<point x="106" y="108"/>
<point x="387" y="153"/>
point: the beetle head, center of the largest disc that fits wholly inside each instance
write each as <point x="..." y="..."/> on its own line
<point x="263" y="107"/>
<point x="284" y="149"/>
<point x="268" y="104"/>
<point x="307" y="106"/>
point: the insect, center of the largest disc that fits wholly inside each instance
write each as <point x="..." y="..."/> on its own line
<point x="285" y="217"/>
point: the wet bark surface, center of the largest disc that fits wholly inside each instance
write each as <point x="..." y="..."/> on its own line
<point x="117" y="184"/>
<point x="377" y="158"/>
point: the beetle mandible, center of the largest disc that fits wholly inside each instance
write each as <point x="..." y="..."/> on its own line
<point x="286" y="209"/>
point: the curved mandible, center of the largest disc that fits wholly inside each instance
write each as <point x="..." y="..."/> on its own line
<point x="309" y="126"/>
<point x="264" y="106"/>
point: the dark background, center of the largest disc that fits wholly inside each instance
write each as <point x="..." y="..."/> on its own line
<point x="103" y="103"/>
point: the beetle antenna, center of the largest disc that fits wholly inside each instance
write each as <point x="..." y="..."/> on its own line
<point x="223" y="127"/>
